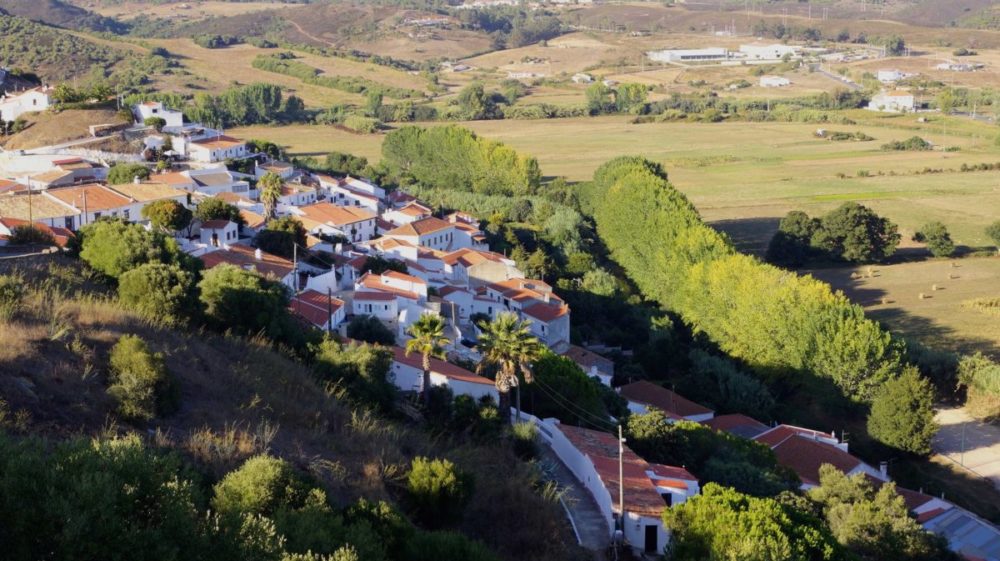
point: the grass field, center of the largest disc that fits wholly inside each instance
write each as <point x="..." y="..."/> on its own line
<point x="892" y="295"/>
<point x="194" y="11"/>
<point x="745" y="176"/>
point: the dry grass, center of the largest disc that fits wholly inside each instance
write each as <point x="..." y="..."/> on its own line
<point x="52" y="128"/>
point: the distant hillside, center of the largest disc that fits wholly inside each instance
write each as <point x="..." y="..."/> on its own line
<point x="51" y="53"/>
<point x="61" y="14"/>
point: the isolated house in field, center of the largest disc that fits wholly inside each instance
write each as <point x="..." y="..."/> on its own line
<point x="892" y="76"/>
<point x="13" y="105"/>
<point x="408" y="373"/>
<point x="643" y="396"/>
<point x="893" y="102"/>
<point x="774" y="82"/>
<point x="321" y="311"/>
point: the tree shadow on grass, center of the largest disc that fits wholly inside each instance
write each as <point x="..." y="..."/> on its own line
<point x="749" y="235"/>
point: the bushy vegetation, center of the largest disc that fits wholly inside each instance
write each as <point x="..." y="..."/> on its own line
<point x="11" y="296"/>
<point x="370" y="330"/>
<point x="980" y="376"/>
<point x="122" y="173"/>
<point x="139" y="381"/>
<point x="779" y="324"/>
<point x="938" y="240"/>
<point x="244" y="302"/>
<point x="902" y="413"/>
<point x="852" y="232"/>
<point x="437" y="491"/>
<point x="57" y="54"/>
<point x="160" y="292"/>
<point x="281" y="235"/>
<point x="114" y="247"/>
<point x="914" y="143"/>
<point x="241" y="105"/>
<point x="362" y="370"/>
<point x="214" y="208"/>
<point x="285" y="63"/>
<point x="167" y="215"/>
<point x="455" y="158"/>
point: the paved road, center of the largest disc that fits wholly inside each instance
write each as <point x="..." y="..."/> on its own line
<point x="590" y="525"/>
<point x="981" y="442"/>
<point x="836" y="78"/>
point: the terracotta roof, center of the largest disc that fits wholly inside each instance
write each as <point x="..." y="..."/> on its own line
<point x="415" y="209"/>
<point x="221" y="141"/>
<point x="172" y="178"/>
<point x="420" y="227"/>
<point x="445" y="291"/>
<point x="779" y="433"/>
<point x="243" y="256"/>
<point x="252" y="219"/>
<point x="661" y="398"/>
<point x="373" y="282"/>
<point x="98" y="197"/>
<point x="672" y="472"/>
<point x="438" y="366"/>
<point x="293" y="188"/>
<point x="60" y="235"/>
<point x="804" y="456"/>
<point x="914" y="499"/>
<point x="588" y="359"/>
<point x="37" y="206"/>
<point x="470" y="257"/>
<point x="326" y="213"/>
<point x="545" y="312"/>
<point x="51" y="176"/>
<point x="219" y="224"/>
<point x="374" y="296"/>
<point x="898" y="93"/>
<point x="403" y="277"/>
<point x="7" y="186"/>
<point x="66" y="161"/>
<point x="314" y="307"/>
<point x="740" y="425"/>
<point x="930" y="514"/>
<point x="147" y="192"/>
<point x="232" y="198"/>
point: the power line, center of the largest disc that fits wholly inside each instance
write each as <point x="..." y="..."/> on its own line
<point x="574" y="409"/>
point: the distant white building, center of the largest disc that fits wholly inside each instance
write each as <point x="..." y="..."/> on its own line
<point x="147" y="109"/>
<point x="892" y="76"/>
<point x="689" y="55"/>
<point x="893" y="102"/>
<point x="581" y="78"/>
<point x="13" y="106"/>
<point x="774" y="82"/>
<point x="769" y="52"/>
<point x="217" y="149"/>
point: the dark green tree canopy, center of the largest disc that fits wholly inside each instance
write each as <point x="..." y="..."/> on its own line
<point x="855" y="233"/>
<point x="902" y="414"/>
<point x="214" y="208"/>
<point x="114" y="247"/>
<point x="168" y="215"/>
<point x="122" y="173"/>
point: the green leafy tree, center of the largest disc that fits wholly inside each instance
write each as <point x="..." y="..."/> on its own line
<point x="555" y="371"/>
<point x="167" y="215"/>
<point x="377" y="264"/>
<point x="722" y="523"/>
<point x="156" y="122"/>
<point x="114" y="247"/>
<point x="508" y="344"/>
<point x="345" y="164"/>
<point x="855" y="233"/>
<point x="599" y="282"/>
<point x="365" y="370"/>
<point x="873" y="524"/>
<point x="428" y="340"/>
<point x="371" y="330"/>
<point x="270" y="191"/>
<point x="993" y="232"/>
<point x="792" y="243"/>
<point x="729" y="388"/>
<point x="894" y="45"/>
<point x="281" y="235"/>
<point x="138" y="380"/>
<point x="437" y="491"/>
<point x="475" y="104"/>
<point x="902" y="414"/>
<point x="937" y="238"/>
<point x="373" y="103"/>
<point x="243" y="301"/>
<point x="122" y="173"/>
<point x="599" y="99"/>
<point x="160" y="292"/>
<point x="214" y="208"/>
<point x="630" y="98"/>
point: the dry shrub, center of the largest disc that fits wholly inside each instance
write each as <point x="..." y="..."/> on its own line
<point x="988" y="306"/>
<point x="224" y="449"/>
<point x="982" y="405"/>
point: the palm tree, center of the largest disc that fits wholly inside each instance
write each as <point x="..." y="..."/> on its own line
<point x="428" y="340"/>
<point x="508" y="343"/>
<point x="270" y="192"/>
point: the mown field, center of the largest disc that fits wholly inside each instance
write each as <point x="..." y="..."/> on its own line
<point x="745" y="176"/>
<point x="892" y="295"/>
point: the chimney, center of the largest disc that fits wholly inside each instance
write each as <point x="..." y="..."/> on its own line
<point x="258" y="255"/>
<point x="883" y="468"/>
<point x="136" y="180"/>
<point x="339" y="248"/>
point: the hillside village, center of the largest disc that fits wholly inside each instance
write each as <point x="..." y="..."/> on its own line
<point x="441" y="265"/>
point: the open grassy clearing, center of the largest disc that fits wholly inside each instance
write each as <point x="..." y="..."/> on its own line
<point x="194" y="11"/>
<point x="892" y="295"/>
<point x="745" y="176"/>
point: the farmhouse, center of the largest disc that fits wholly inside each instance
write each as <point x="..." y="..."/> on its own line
<point x="892" y="76"/>
<point x="13" y="106"/>
<point x="893" y="102"/>
<point x="689" y="55"/>
<point x="149" y="109"/>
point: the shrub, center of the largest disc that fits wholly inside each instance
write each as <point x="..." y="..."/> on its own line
<point x="993" y="232"/>
<point x="914" y="143"/>
<point x="114" y="247"/>
<point x="29" y="234"/>
<point x="902" y="413"/>
<point x="243" y="301"/>
<point x="159" y="292"/>
<point x="156" y="122"/>
<point x="214" y="208"/>
<point x="370" y="330"/>
<point x="363" y="370"/>
<point x="138" y="379"/>
<point x="440" y="546"/>
<point x="122" y="173"/>
<point x="525" y="439"/>
<point x="262" y="485"/>
<point x="167" y="214"/>
<point x="937" y="238"/>
<point x="11" y="296"/>
<point x="981" y="377"/>
<point x="359" y="123"/>
<point x="437" y="491"/>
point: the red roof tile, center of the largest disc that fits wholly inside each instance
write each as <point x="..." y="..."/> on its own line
<point x="314" y="307"/>
<point x="661" y="398"/>
<point x="420" y="227"/>
<point x="804" y="456"/>
<point x="244" y="257"/>
<point x="438" y="366"/>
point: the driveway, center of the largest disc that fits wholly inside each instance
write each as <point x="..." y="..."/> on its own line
<point x="980" y="442"/>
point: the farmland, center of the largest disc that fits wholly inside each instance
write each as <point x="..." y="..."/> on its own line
<point x="745" y="176"/>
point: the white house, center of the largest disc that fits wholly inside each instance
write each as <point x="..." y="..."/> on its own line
<point x="592" y="364"/>
<point x="643" y="396"/>
<point x="408" y="375"/>
<point x="804" y="451"/>
<point x="68" y="171"/>
<point x="393" y="282"/>
<point x="893" y="102"/>
<point x="529" y="299"/>
<point x="245" y="257"/>
<point x="94" y="202"/>
<point x="148" y="109"/>
<point x="756" y="51"/>
<point x="322" y="311"/>
<point x="581" y="78"/>
<point x="429" y="232"/>
<point x="217" y="233"/>
<point x="13" y="105"/>
<point x="381" y="305"/>
<point x="472" y="267"/>
<point x="284" y="170"/>
<point x="217" y="149"/>
<point x="354" y="223"/>
<point x="341" y="192"/>
<point x="774" y="82"/>
<point x="407" y="214"/>
<point x="296" y="195"/>
<point x="892" y="76"/>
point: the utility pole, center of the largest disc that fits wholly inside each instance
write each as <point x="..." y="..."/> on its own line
<point x="329" y="310"/>
<point x="295" y="266"/>
<point x="962" y="460"/>
<point x="621" y="481"/>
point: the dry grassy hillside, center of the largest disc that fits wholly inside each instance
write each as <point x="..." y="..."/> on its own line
<point x="49" y="128"/>
<point x="239" y="398"/>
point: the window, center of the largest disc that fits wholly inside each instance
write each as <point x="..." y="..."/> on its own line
<point x="97" y="216"/>
<point x="125" y="214"/>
